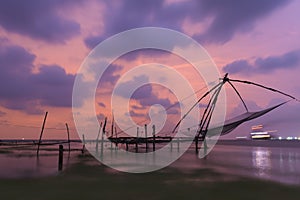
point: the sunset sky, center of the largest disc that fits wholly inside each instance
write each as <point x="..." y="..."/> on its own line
<point x="43" y="43"/>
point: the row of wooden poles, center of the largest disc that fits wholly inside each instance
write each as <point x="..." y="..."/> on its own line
<point x="113" y="128"/>
<point x="136" y="140"/>
<point x="116" y="140"/>
<point x="42" y="131"/>
<point x="61" y="147"/>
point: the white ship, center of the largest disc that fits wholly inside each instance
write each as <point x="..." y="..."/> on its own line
<point x="258" y="133"/>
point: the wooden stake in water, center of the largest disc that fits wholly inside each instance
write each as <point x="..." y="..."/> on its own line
<point x="41" y="134"/>
<point x="104" y="125"/>
<point x="137" y="138"/>
<point x="116" y="135"/>
<point x="205" y="148"/>
<point x="97" y="139"/>
<point x="102" y="138"/>
<point x="68" y="136"/>
<point x="196" y="144"/>
<point x="126" y="145"/>
<point x="153" y="134"/>
<point x="146" y="136"/>
<point x="112" y="131"/>
<point x="60" y="157"/>
<point x="83" y="146"/>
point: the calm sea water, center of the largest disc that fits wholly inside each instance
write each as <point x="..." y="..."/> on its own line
<point x="279" y="164"/>
<point x="24" y="163"/>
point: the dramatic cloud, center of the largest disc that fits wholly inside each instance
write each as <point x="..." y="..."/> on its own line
<point x="264" y="65"/>
<point x="151" y="95"/>
<point x="92" y="41"/>
<point x="146" y="99"/>
<point x="16" y="64"/>
<point x="132" y="113"/>
<point x="123" y="88"/>
<point x="146" y="95"/>
<point x="53" y="86"/>
<point x="143" y="93"/>
<point x="39" y="19"/>
<point x="234" y="16"/>
<point x="21" y="89"/>
<point x="227" y="18"/>
<point x="111" y="75"/>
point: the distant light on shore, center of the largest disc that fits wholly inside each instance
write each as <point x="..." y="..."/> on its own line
<point x="292" y="138"/>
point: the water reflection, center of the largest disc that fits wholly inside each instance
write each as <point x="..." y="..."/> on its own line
<point x="261" y="160"/>
<point x="21" y="163"/>
<point x="280" y="164"/>
<point x="289" y="162"/>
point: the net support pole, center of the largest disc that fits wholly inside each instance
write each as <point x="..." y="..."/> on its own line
<point x="41" y="134"/>
<point x="68" y="134"/>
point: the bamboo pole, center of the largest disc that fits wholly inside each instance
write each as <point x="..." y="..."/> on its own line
<point x="97" y="139"/>
<point x="126" y="145"/>
<point x="104" y="125"/>
<point x="83" y="146"/>
<point x="102" y="138"/>
<point x="146" y="136"/>
<point x="153" y="134"/>
<point x="116" y="135"/>
<point x="41" y="134"/>
<point x="137" y="138"/>
<point x="68" y="132"/>
<point x="112" y="131"/>
<point x="60" y="157"/>
<point x="205" y="148"/>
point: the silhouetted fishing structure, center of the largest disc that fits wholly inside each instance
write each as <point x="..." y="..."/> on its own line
<point x="229" y="125"/>
<point x="203" y="130"/>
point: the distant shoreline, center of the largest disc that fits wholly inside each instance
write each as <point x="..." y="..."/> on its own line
<point x="233" y="142"/>
<point x="262" y="143"/>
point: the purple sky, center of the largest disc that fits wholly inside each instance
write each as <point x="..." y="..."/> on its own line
<point x="43" y="43"/>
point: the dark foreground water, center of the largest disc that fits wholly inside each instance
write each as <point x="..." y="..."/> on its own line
<point x="278" y="164"/>
<point x="262" y="160"/>
<point x="231" y="171"/>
